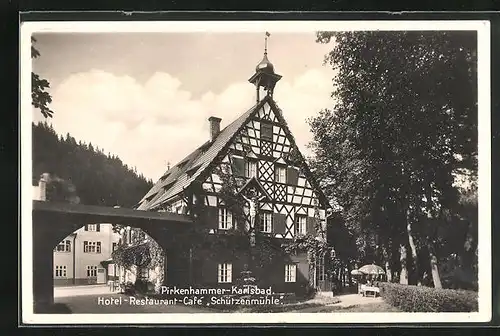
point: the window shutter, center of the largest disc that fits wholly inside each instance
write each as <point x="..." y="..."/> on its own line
<point x="98" y="227"/>
<point x="292" y="176"/>
<point x="279" y="223"/>
<point x="230" y="219"/>
<point x="310" y="225"/>
<point x="212" y="219"/>
<point x="238" y="166"/>
<point x="303" y="269"/>
<point x="220" y="216"/>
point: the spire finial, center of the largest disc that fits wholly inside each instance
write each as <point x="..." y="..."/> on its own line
<point x="265" y="45"/>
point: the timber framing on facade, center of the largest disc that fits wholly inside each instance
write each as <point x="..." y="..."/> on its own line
<point x="260" y="154"/>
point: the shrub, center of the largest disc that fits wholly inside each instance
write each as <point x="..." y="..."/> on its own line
<point x="427" y="299"/>
<point x="142" y="286"/>
<point x="139" y="287"/>
<point x="304" y="291"/>
<point x="128" y="288"/>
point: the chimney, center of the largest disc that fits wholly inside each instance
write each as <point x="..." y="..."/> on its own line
<point x="42" y="186"/>
<point x="214" y="127"/>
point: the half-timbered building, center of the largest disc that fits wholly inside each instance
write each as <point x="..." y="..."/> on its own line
<point x="280" y="197"/>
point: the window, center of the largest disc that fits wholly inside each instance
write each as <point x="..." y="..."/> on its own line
<point x="225" y="273"/>
<point x="91" y="271"/>
<point x="290" y="272"/>
<point x="64" y="246"/>
<point x="280" y="174"/>
<point x="144" y="273"/>
<point x="190" y="172"/>
<point x="266" y="131"/>
<point x="300" y="229"/>
<point x="250" y="169"/>
<point x="225" y="219"/>
<point x="91" y="247"/>
<point x="115" y="246"/>
<point x="60" y="271"/>
<point x="266" y="222"/>
<point x="92" y="227"/>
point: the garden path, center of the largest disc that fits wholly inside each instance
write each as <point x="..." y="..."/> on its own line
<point x="349" y="300"/>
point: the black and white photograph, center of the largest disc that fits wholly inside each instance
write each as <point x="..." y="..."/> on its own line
<point x="255" y="172"/>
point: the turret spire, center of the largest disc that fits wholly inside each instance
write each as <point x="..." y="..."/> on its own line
<point x="265" y="43"/>
<point x="265" y="76"/>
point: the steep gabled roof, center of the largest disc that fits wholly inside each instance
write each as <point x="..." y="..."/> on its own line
<point x="180" y="176"/>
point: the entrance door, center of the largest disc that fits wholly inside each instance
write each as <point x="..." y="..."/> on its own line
<point x="101" y="275"/>
<point x="320" y="278"/>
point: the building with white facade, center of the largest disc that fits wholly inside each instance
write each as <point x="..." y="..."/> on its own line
<point x="84" y="256"/>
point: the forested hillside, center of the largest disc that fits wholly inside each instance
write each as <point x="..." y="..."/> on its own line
<point x="97" y="178"/>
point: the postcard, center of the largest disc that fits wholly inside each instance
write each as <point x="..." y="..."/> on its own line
<point x="257" y="172"/>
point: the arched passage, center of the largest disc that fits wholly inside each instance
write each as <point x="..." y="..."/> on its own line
<point x="52" y="222"/>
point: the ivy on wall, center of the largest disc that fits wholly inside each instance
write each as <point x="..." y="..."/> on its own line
<point x="142" y="252"/>
<point x="237" y="239"/>
<point x="315" y="246"/>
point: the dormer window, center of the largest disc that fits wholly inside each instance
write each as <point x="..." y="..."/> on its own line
<point x="169" y="185"/>
<point x="181" y="164"/>
<point x="164" y="177"/>
<point x="190" y="172"/>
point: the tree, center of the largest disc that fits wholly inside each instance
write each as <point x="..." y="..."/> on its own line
<point x="60" y="190"/>
<point x="97" y="179"/>
<point x="39" y="96"/>
<point x="404" y="122"/>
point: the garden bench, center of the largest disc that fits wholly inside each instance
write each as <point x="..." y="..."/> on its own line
<point x="370" y="291"/>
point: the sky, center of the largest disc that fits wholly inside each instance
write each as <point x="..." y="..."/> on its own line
<point x="147" y="97"/>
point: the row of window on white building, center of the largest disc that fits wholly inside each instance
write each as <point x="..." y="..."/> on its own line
<point x="225" y="273"/>
<point x="88" y="246"/>
<point x="266" y="221"/>
<point x="60" y="271"/>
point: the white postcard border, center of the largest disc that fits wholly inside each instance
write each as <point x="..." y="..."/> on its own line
<point x="484" y="158"/>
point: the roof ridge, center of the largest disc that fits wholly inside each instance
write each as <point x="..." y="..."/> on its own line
<point x="213" y="151"/>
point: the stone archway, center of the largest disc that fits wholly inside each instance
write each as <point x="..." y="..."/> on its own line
<point x="52" y="222"/>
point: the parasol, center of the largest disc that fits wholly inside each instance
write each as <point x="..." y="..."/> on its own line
<point x="356" y="272"/>
<point x="372" y="270"/>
